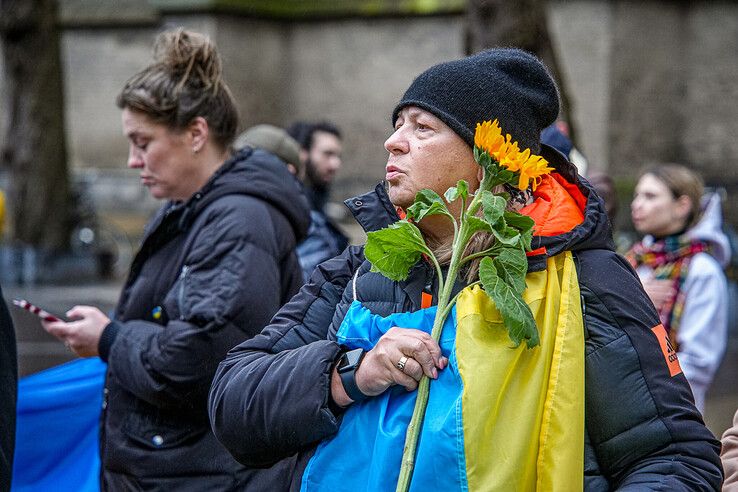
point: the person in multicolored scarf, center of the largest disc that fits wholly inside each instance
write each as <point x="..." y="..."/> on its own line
<point x="680" y="262"/>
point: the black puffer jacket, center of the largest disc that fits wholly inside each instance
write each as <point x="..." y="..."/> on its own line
<point x="9" y="385"/>
<point x="210" y="274"/>
<point x="642" y="429"/>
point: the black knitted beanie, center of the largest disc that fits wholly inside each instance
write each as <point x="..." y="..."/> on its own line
<point x="508" y="84"/>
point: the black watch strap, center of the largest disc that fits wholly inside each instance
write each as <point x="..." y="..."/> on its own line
<point x="347" y="366"/>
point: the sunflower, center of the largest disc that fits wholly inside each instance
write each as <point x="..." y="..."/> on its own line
<point x="528" y="168"/>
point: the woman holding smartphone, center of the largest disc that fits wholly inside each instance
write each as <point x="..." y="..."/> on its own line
<point x="214" y="266"/>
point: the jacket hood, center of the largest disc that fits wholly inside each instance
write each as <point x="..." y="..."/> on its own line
<point x="594" y="230"/>
<point x="374" y="211"/>
<point x="263" y="175"/>
<point x="710" y="229"/>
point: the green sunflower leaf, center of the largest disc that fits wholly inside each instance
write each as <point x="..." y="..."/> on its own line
<point x="493" y="206"/>
<point x="523" y="224"/>
<point x="508" y="236"/>
<point x="512" y="266"/>
<point x="394" y="250"/>
<point x="515" y="313"/>
<point x="427" y="202"/>
<point x="460" y="190"/>
<point x="477" y="224"/>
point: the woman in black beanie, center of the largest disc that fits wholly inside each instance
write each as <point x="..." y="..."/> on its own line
<point x="291" y="389"/>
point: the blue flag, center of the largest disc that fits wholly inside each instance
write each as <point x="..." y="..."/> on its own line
<point x="58" y="427"/>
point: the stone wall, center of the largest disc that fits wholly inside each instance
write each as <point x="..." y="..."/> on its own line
<point x="350" y="71"/>
<point x="96" y="65"/>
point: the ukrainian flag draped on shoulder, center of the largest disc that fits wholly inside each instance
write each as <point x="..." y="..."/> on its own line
<point x="498" y="418"/>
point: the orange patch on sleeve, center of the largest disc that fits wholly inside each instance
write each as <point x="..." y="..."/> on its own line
<point x="667" y="349"/>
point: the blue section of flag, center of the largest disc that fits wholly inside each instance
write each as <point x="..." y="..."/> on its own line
<point x="365" y="455"/>
<point x="57" y="428"/>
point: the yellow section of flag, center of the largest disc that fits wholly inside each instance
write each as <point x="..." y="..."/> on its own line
<point x="523" y="409"/>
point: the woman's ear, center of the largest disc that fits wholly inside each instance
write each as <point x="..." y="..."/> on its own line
<point x="198" y="133"/>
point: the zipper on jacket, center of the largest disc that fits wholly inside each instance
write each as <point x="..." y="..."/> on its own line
<point x="181" y="293"/>
<point x="584" y="316"/>
<point x="102" y="449"/>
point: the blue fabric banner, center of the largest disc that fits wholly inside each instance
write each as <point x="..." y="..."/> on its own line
<point x="366" y="453"/>
<point x="57" y="428"/>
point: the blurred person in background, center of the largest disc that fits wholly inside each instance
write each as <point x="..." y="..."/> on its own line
<point x="215" y="264"/>
<point x="556" y="135"/>
<point x="605" y="187"/>
<point x="680" y="262"/>
<point x="274" y="140"/>
<point x="320" y="152"/>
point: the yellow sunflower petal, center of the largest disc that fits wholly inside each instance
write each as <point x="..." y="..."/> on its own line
<point x="487" y="136"/>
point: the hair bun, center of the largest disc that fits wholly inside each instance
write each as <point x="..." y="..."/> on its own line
<point x="189" y="56"/>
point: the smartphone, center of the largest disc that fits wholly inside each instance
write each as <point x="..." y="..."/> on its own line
<point x="44" y="315"/>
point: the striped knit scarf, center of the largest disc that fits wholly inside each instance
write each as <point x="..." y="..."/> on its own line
<point x="669" y="258"/>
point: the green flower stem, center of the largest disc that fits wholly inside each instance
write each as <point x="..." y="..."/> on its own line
<point x="456" y="226"/>
<point x="421" y="402"/>
<point x="395" y="250"/>
<point x="451" y="304"/>
<point x="439" y="272"/>
<point x="481" y="254"/>
<point x="445" y="304"/>
<point x="475" y="203"/>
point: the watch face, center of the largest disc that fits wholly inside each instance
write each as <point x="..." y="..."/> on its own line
<point x="350" y="360"/>
<point x="354" y="357"/>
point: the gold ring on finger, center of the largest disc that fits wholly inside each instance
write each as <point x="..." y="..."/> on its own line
<point x="401" y="363"/>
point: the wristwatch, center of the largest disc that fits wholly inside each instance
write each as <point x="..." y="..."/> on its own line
<point x="347" y="365"/>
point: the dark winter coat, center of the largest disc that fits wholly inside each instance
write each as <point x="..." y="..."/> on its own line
<point x="323" y="242"/>
<point x="642" y="429"/>
<point x="8" y="394"/>
<point x="210" y="274"/>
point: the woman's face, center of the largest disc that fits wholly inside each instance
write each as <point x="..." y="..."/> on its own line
<point x="654" y="209"/>
<point x="425" y="153"/>
<point x="166" y="159"/>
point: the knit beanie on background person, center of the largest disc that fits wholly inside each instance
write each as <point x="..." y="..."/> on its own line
<point x="507" y="84"/>
<point x="272" y="139"/>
